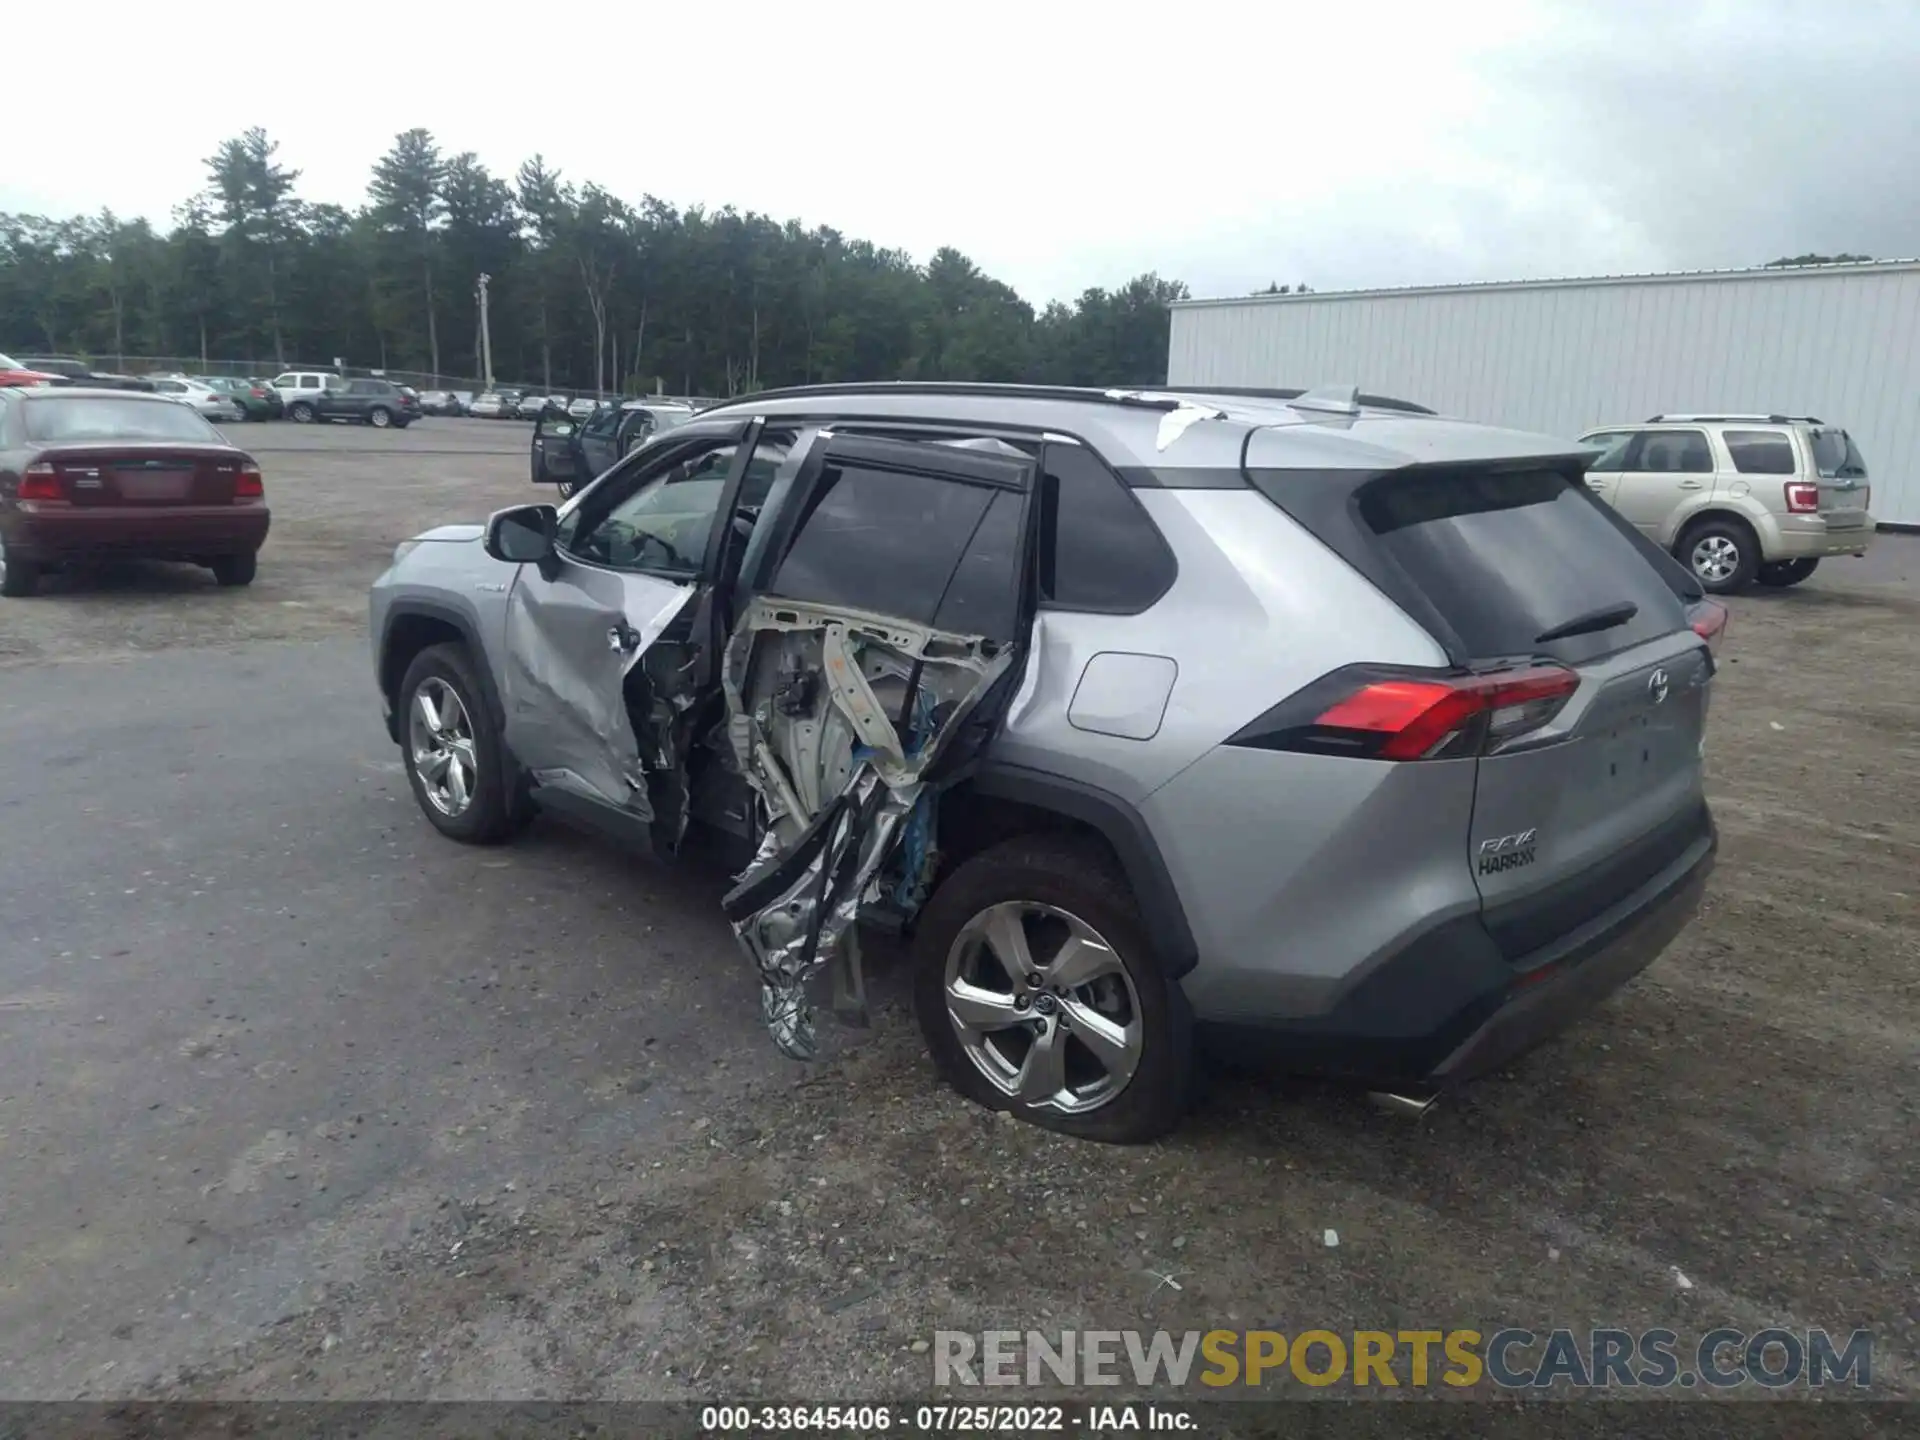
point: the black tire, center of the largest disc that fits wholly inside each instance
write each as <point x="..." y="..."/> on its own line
<point x="18" y="578"/>
<point x="300" y="413"/>
<point x="499" y="807"/>
<point x="566" y="488"/>
<point x="1778" y="574"/>
<point x="380" y="417"/>
<point x="235" y="569"/>
<point x="1072" y="876"/>
<point x="1734" y="570"/>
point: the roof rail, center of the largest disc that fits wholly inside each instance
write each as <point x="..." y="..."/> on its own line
<point x="1732" y="419"/>
<point x="1112" y="395"/>
<point x="1252" y="392"/>
<point x="1156" y="397"/>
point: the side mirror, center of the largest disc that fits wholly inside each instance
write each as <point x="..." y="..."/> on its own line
<point x="522" y="535"/>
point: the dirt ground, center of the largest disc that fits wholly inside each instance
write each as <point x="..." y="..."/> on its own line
<point x="1728" y="1141"/>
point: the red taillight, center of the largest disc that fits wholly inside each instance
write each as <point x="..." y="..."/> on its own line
<point x="248" y="484"/>
<point x="1406" y="717"/>
<point x="1803" y="497"/>
<point x="1709" y="621"/>
<point x="257" y="393"/>
<point x="41" y="482"/>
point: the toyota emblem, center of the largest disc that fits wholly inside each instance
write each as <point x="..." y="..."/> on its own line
<point x="1657" y="687"/>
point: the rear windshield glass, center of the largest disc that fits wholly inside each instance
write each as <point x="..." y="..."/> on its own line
<point x="1835" y="457"/>
<point x="665" y="420"/>
<point x="1508" y="558"/>
<point x="103" y="417"/>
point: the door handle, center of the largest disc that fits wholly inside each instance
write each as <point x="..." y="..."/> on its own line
<point x="622" y="637"/>
<point x="1593" y="484"/>
<point x="1690" y="484"/>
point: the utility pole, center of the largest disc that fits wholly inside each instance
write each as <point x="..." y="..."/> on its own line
<point x="486" y="337"/>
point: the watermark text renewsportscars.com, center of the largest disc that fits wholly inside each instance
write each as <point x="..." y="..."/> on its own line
<point x="1511" y="1359"/>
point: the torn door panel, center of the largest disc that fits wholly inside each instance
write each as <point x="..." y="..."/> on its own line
<point x="579" y="686"/>
<point x="838" y="718"/>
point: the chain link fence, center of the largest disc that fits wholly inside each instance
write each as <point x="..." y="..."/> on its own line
<point x="418" y="379"/>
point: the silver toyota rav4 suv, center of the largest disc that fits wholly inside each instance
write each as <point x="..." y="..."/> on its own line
<point x="1354" y="738"/>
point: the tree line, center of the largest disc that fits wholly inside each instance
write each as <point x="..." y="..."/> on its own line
<point x="587" y="291"/>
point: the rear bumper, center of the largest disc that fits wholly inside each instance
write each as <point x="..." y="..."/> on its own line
<point x="177" y="532"/>
<point x="1809" y="538"/>
<point x="1450" y="1007"/>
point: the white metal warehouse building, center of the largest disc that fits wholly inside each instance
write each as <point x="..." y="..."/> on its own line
<point x="1841" y="342"/>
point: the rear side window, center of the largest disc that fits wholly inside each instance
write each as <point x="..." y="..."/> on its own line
<point x="1098" y="549"/>
<point x="1508" y="558"/>
<point x="1761" y="452"/>
<point x="894" y="544"/>
<point x="1680" y="452"/>
<point x="1835" y="457"/>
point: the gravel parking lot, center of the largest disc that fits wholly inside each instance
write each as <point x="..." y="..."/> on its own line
<point x="301" y="1100"/>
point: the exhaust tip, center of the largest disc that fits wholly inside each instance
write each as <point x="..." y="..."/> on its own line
<point x="1412" y="1106"/>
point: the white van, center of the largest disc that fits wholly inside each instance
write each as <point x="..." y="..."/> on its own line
<point x="295" y="383"/>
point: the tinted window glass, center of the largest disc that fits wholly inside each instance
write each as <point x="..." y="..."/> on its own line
<point x="983" y="598"/>
<point x="1098" y="549"/>
<point x="1613" y="452"/>
<point x="882" y="541"/>
<point x="1677" y="452"/>
<point x="1835" y="457"/>
<point x="1760" y="452"/>
<point x="104" y="418"/>
<point x="1506" y="558"/>
<point x="662" y="525"/>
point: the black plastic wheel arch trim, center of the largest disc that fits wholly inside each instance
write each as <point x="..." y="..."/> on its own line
<point x="1123" y="828"/>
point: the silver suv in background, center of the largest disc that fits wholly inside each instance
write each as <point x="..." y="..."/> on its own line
<point x="1362" y="740"/>
<point x="1737" y="498"/>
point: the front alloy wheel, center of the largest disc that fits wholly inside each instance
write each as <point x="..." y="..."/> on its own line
<point x="1042" y="1006"/>
<point x="440" y="747"/>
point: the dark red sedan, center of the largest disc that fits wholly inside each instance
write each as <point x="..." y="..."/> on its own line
<point x="90" y="475"/>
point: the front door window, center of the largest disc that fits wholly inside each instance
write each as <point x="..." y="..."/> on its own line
<point x="659" y="523"/>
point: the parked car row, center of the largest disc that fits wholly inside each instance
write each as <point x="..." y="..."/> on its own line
<point x="517" y="405"/>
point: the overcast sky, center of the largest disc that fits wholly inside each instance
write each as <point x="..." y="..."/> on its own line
<point x="1059" y="145"/>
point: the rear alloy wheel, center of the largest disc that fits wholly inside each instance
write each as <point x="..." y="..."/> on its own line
<point x="300" y="413"/>
<point x="1038" y="993"/>
<point x="1722" y="554"/>
<point x="452" y="751"/>
<point x="1778" y="574"/>
<point x="18" y="578"/>
<point x="236" y="569"/>
<point x="378" y="418"/>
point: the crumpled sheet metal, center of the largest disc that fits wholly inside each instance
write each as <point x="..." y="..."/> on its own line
<point x="810" y="915"/>
<point x="797" y="903"/>
<point x="584" y="720"/>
